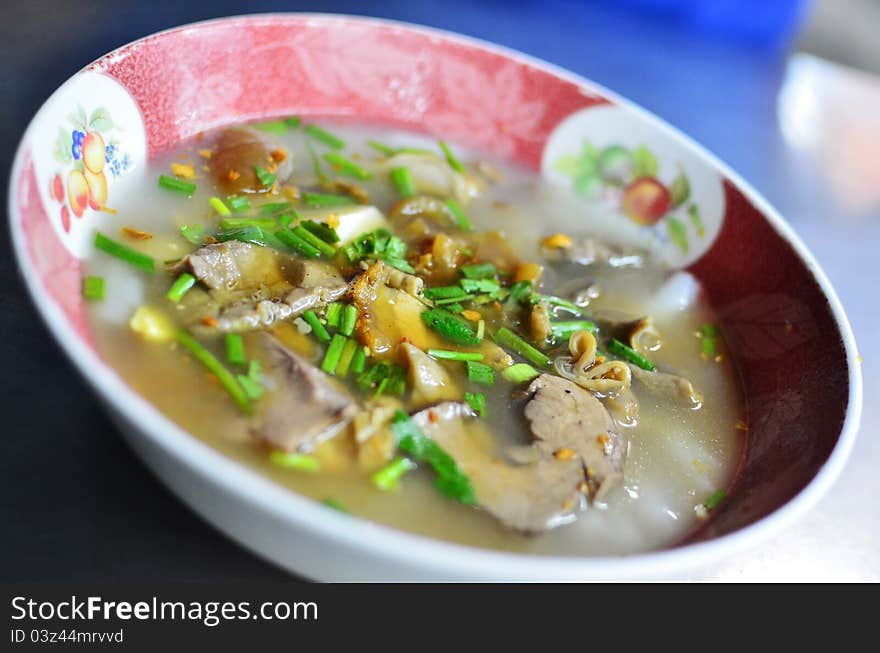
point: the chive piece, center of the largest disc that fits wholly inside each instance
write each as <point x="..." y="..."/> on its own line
<point x="316" y="162"/>
<point x="509" y="339"/>
<point x="314" y="241"/>
<point x="292" y="121"/>
<point x="296" y="461"/>
<point x="452" y="300"/>
<point x="272" y="127"/>
<point x="255" y="370"/>
<point x="317" y="328"/>
<point x="266" y="178"/>
<point x="348" y="319"/>
<point x="387" y="478"/>
<point x="396" y="380"/>
<point x="334" y="351"/>
<point x="381" y="147"/>
<point x="235" y="348"/>
<point x="480" y="373"/>
<point x="563" y="330"/>
<point x="345" y="358"/>
<point x="218" y="205"/>
<point x="479" y="271"/>
<point x="477" y="401"/>
<point x="359" y="360"/>
<point x="251" y="388"/>
<point x="481" y="329"/>
<point x="124" y="252"/>
<point x="272" y="240"/>
<point x="457" y="308"/>
<point x="450" y="157"/>
<point x="249" y="234"/>
<point x="717" y="497"/>
<point x="177" y="185"/>
<point x="370" y="379"/>
<point x="292" y="240"/>
<point x="346" y="166"/>
<point x="273" y="207"/>
<point x="180" y="287"/>
<point x="450" y="327"/>
<point x="330" y="502"/>
<point x="93" y="288"/>
<point x="619" y="349"/>
<point x="480" y="285"/>
<point x="402" y="179"/>
<point x="325" y="137"/>
<point x="285" y="220"/>
<point x="520" y="291"/>
<point x="709" y="340"/>
<point x="519" y="373"/>
<point x="334" y="313"/>
<point x="448" y="355"/>
<point x="399" y="264"/>
<point x="322" y="200"/>
<point x="215" y="367"/>
<point x="323" y="231"/>
<point x="241" y="223"/>
<point x="195" y="234"/>
<point x="443" y="292"/>
<point x="451" y="481"/>
<point x="238" y="202"/>
<point x="462" y="221"/>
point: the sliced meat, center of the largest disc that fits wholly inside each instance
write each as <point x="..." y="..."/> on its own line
<point x="429" y="381"/>
<point x="567" y="421"/>
<point x="223" y="265"/>
<point x="670" y="386"/>
<point x="237" y="151"/>
<point x="306" y="407"/>
<point x="531" y="497"/>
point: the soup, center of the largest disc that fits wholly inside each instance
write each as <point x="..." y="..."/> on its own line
<point x="418" y="337"/>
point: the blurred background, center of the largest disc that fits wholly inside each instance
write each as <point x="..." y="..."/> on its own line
<point x="785" y="91"/>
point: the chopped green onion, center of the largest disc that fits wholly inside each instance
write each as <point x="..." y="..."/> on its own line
<point x="450" y="157"/>
<point x="235" y="348"/>
<point x="713" y="501"/>
<point x="507" y="338"/>
<point x="334" y="313"/>
<point x="249" y="234"/>
<point x="177" y="185"/>
<point x="709" y="340"/>
<point x="215" y="367"/>
<point x="520" y="291"/>
<point x="238" y="202"/>
<point x="334" y="351"/>
<point x="325" y="137"/>
<point x="481" y="329"/>
<point x="255" y="370"/>
<point x="346" y="166"/>
<point x="345" y="359"/>
<point x="556" y="301"/>
<point x="194" y="234"/>
<point x="399" y="264"/>
<point x="477" y="401"/>
<point x="480" y="285"/>
<point x="325" y="232"/>
<point x="180" y="287"/>
<point x="322" y="200"/>
<point x="218" y="205"/>
<point x="381" y="147"/>
<point x="124" y="252"/>
<point x="457" y="308"/>
<point x="443" y="292"/>
<point x="348" y="319"/>
<point x="387" y="478"/>
<point x="519" y="373"/>
<point x="272" y="240"/>
<point x="403" y="181"/>
<point x="563" y="330"/>
<point x="292" y="240"/>
<point x="480" y="373"/>
<point x="370" y="379"/>
<point x="286" y="219"/>
<point x="266" y="178"/>
<point x="274" y="207"/>
<point x="359" y="360"/>
<point x="293" y="121"/>
<point x="296" y="461"/>
<point x="448" y="355"/>
<point x="462" y="221"/>
<point x="479" y="271"/>
<point x="450" y="327"/>
<point x="452" y="300"/>
<point x="619" y="349"/>
<point x="272" y="127"/>
<point x="317" y="328"/>
<point x="314" y="241"/>
<point x="316" y="162"/>
<point x="240" y="223"/>
<point x="451" y="481"/>
<point x="93" y="288"/>
<point x="333" y="503"/>
<point x="251" y="388"/>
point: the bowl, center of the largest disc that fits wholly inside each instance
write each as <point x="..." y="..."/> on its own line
<point x="782" y="319"/>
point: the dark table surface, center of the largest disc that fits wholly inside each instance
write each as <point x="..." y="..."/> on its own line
<point x="76" y="503"/>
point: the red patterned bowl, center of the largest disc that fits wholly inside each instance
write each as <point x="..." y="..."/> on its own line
<point x="781" y="317"/>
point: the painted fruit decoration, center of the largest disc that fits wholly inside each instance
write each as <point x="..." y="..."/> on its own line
<point x="91" y="154"/>
<point x="629" y="178"/>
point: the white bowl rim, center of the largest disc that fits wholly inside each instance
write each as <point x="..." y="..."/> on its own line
<point x="438" y="558"/>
